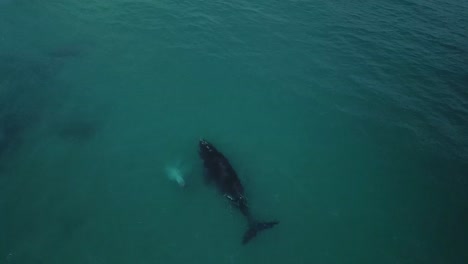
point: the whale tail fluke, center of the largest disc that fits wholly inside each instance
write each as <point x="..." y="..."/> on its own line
<point x="256" y="227"/>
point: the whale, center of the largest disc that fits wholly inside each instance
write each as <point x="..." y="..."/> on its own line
<point x="218" y="171"/>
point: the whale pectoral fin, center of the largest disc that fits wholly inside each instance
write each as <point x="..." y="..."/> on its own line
<point x="256" y="227"/>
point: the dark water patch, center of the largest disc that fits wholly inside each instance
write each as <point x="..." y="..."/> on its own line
<point x="17" y="67"/>
<point x="24" y="83"/>
<point x="26" y="89"/>
<point x="70" y="50"/>
<point x="78" y="130"/>
<point x="10" y="131"/>
<point x="76" y="123"/>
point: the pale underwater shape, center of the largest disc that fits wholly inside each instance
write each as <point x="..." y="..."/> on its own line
<point x="175" y="173"/>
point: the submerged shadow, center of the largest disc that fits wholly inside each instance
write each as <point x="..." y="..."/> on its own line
<point x="25" y="87"/>
<point x="10" y="133"/>
<point x="69" y="50"/>
<point x="78" y="130"/>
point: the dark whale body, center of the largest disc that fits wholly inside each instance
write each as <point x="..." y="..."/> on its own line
<point x="220" y="172"/>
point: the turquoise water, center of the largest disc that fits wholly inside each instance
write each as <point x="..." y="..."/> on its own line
<point x="347" y="122"/>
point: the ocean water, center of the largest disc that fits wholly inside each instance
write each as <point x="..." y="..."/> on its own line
<point x="346" y="121"/>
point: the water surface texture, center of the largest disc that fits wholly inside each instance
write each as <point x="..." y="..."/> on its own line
<point x="347" y="121"/>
